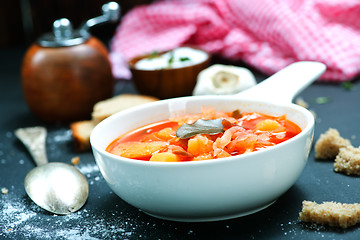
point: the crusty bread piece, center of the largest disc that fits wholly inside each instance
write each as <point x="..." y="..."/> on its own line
<point x="81" y="130"/>
<point x="106" y="108"/>
<point x="329" y="143"/>
<point x="348" y="161"/>
<point x="330" y="213"/>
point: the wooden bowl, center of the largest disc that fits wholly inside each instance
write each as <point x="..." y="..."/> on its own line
<point x="167" y="82"/>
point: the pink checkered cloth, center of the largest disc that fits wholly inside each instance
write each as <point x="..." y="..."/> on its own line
<point x="266" y="34"/>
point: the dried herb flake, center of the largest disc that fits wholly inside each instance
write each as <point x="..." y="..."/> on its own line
<point x="348" y="86"/>
<point x="154" y="54"/>
<point x="322" y="100"/>
<point x="183" y="59"/>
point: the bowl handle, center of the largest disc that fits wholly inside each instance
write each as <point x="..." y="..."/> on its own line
<point x="284" y="85"/>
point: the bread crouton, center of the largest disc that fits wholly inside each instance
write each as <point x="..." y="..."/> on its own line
<point x="81" y="130"/>
<point x="108" y="107"/>
<point x="348" y="161"/>
<point x="330" y="213"/>
<point x="329" y="143"/>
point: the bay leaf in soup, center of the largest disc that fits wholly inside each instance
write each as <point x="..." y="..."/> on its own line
<point x="211" y="127"/>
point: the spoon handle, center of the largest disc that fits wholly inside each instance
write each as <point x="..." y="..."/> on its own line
<point x="284" y="85"/>
<point x="34" y="139"/>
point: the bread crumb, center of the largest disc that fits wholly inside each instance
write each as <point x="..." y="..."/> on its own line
<point x="329" y="143"/>
<point x="301" y="102"/>
<point x="75" y="160"/>
<point x="348" y="161"/>
<point x="4" y="190"/>
<point x="330" y="213"/>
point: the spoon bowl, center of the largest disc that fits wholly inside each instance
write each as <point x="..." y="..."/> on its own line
<point x="56" y="187"/>
<point x="215" y="189"/>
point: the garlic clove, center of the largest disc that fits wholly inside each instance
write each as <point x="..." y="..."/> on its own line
<point x="221" y="79"/>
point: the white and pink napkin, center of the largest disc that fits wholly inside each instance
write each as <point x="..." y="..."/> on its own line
<point x="266" y="34"/>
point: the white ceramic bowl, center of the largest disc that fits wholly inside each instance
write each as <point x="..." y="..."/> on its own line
<point x="214" y="189"/>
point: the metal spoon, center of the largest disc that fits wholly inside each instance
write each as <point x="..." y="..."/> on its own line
<point x="56" y="187"/>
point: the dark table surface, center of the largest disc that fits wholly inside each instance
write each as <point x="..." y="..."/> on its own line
<point x="106" y="216"/>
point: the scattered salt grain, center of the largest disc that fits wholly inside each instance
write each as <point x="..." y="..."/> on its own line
<point x="20" y="219"/>
<point x="63" y="136"/>
<point x="88" y="169"/>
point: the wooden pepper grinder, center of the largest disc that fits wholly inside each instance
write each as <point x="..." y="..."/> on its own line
<point x="66" y="72"/>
